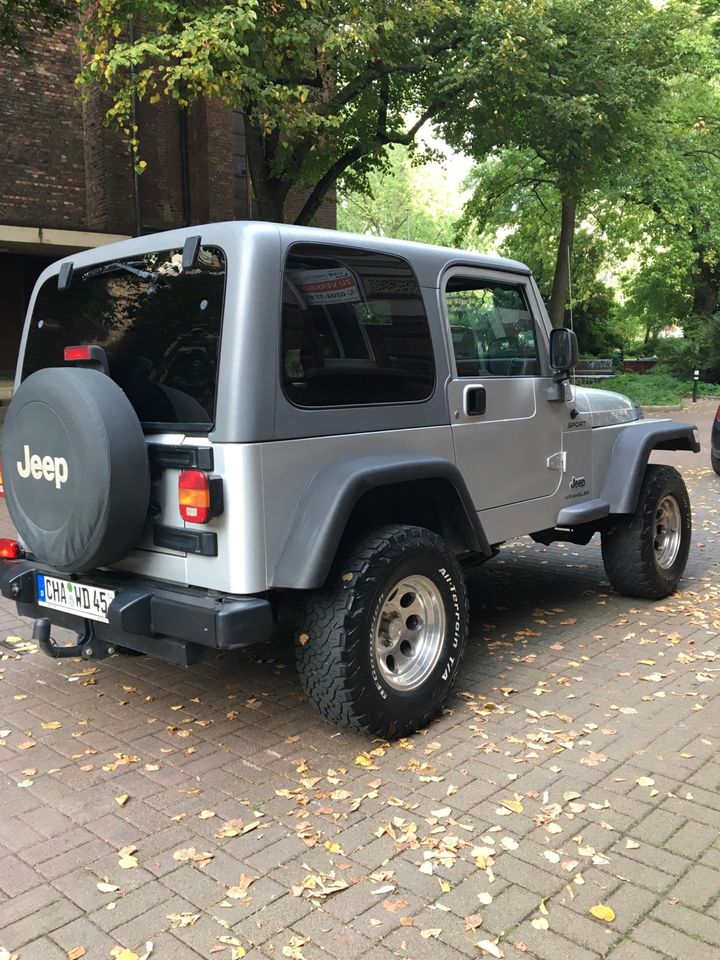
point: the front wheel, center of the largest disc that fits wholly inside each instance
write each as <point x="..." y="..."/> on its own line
<point x="382" y="642"/>
<point x="645" y="554"/>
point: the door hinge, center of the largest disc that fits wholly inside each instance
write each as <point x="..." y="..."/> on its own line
<point x="558" y="461"/>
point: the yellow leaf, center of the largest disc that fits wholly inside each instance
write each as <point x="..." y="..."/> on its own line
<point x="206" y="814"/>
<point x="363" y="761"/>
<point x="332" y="846"/>
<point x="122" y="799"/>
<point x="431" y="932"/>
<point x="645" y="782"/>
<point x="513" y="805"/>
<point x="76" y="953"/>
<point x="53" y="725"/>
<point x="601" y="912"/>
<point x="540" y="923"/>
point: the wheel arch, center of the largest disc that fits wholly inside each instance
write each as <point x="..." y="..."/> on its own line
<point x="630" y="456"/>
<point x="352" y="495"/>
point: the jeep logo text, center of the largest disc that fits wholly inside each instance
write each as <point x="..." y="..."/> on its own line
<point x="43" y="468"/>
<point x="577" y="483"/>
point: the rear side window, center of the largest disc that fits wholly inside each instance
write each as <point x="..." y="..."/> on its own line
<point x="354" y="329"/>
<point x="158" y="323"/>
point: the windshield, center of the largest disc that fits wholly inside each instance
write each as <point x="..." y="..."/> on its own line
<point x="158" y="323"/>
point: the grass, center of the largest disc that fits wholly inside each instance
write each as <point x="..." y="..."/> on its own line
<point x="656" y="389"/>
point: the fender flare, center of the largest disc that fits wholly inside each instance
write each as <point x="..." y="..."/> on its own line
<point x="630" y="455"/>
<point x="323" y="512"/>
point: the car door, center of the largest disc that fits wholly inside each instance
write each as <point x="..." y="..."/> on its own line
<point x="507" y="434"/>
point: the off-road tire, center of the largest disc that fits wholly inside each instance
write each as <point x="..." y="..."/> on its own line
<point x="715" y="463"/>
<point x="336" y="647"/>
<point x="629" y="545"/>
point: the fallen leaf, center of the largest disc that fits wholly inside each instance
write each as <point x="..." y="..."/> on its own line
<point x="540" y="923"/>
<point x="76" y="953"/>
<point x="206" y="814"/>
<point x="485" y="898"/>
<point x="645" y="782"/>
<point x="105" y="887"/>
<point x="473" y="921"/>
<point x="602" y="912"/>
<point x="333" y="847"/>
<point x="493" y="949"/>
<point x="631" y="844"/>
<point x="183" y="919"/>
<point x="431" y="932"/>
<point x="122" y="799"/>
<point x="393" y="906"/>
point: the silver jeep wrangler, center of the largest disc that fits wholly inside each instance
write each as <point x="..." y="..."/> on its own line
<point x="215" y="424"/>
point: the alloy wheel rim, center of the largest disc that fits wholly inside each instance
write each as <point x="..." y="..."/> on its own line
<point x="667" y="532"/>
<point x="408" y="632"/>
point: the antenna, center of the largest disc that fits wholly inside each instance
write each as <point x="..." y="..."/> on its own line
<point x="570" y="298"/>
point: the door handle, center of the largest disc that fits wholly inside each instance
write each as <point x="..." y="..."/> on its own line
<point x="475" y="401"/>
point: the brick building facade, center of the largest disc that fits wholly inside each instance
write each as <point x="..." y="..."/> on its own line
<point x="67" y="182"/>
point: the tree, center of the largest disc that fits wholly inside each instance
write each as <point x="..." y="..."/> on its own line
<point x="324" y="86"/>
<point x="574" y="100"/>
<point x="20" y="19"/>
<point x="401" y="199"/>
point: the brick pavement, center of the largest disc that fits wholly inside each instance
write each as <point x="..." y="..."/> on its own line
<point x="577" y="764"/>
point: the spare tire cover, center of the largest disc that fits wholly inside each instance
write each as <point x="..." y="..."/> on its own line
<point x="76" y="473"/>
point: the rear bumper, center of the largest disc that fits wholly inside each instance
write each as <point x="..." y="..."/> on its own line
<point x="147" y="616"/>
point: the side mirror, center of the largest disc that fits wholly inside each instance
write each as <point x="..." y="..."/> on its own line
<point x="563" y="350"/>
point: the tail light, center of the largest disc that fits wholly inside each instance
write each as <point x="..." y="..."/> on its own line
<point x="199" y="496"/>
<point x="10" y="549"/>
<point x="717" y="417"/>
<point x="83" y="352"/>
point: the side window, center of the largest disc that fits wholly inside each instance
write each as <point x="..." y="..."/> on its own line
<point x="354" y="329"/>
<point x="492" y="331"/>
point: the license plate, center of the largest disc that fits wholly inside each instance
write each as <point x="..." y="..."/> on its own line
<point x="78" y="598"/>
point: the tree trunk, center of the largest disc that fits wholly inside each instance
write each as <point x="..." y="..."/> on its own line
<point x="270" y="194"/>
<point x="561" y="278"/>
<point x="706" y="284"/>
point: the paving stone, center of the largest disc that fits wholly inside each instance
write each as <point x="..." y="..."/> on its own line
<point x="688" y="921"/>
<point x="40" y="922"/>
<point x="658" y="826"/>
<point x="669" y="942"/>
<point x="691" y="840"/>
<point x="698" y="887"/>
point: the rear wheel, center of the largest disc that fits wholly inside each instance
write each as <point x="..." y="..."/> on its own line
<point x="645" y="554"/>
<point x="715" y="462"/>
<point x="381" y="643"/>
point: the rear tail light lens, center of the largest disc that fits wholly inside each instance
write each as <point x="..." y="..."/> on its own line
<point x="77" y="353"/>
<point x="10" y="549"/>
<point x="717" y="417"/>
<point x="194" y="495"/>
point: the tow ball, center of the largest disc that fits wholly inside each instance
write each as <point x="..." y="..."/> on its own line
<point x="89" y="646"/>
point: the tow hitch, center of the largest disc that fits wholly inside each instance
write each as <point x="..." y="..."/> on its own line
<point x="89" y="646"/>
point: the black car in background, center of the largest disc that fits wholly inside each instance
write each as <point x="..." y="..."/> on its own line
<point x="715" y="443"/>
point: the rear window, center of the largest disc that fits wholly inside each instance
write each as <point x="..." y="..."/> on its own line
<point x="354" y="329"/>
<point x="158" y="323"/>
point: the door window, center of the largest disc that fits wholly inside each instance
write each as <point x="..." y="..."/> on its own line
<point x="492" y="330"/>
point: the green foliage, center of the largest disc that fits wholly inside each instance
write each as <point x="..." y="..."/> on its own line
<point x="324" y="86"/>
<point x="20" y="19"/>
<point x="657" y="388"/>
<point x="400" y="199"/>
<point x="573" y="107"/>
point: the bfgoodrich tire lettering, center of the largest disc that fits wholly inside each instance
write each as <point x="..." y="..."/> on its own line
<point x="344" y="638"/>
<point x="645" y="554"/>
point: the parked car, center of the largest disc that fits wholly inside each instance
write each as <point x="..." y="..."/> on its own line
<point x="715" y="443"/>
<point x="215" y="425"/>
